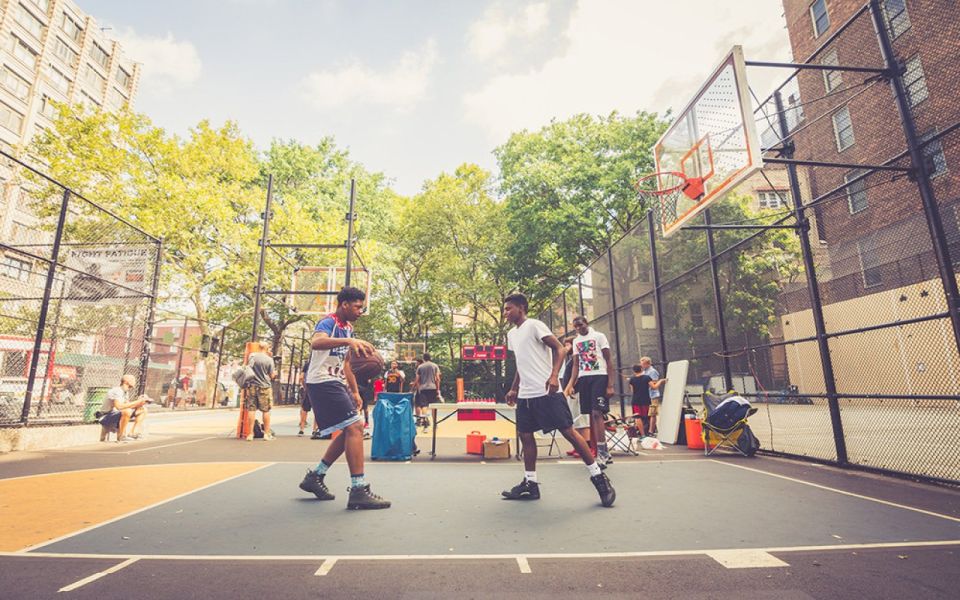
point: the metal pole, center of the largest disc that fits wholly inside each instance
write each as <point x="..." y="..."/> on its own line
<point x="148" y="326"/>
<point x="813" y="290"/>
<point x="183" y="341"/>
<point x="616" y="334"/>
<point x="661" y="335"/>
<point x="54" y="332"/>
<point x="930" y="209"/>
<point x="718" y="303"/>
<point x="263" y="255"/>
<point x="350" y="215"/>
<point x="580" y="294"/>
<point x="44" y="305"/>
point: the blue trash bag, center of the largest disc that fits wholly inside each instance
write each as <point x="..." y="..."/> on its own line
<point x="393" y="429"/>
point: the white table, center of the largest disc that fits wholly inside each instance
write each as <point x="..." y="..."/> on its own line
<point x="504" y="410"/>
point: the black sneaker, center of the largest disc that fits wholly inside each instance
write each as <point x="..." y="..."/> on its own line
<point x="525" y="490"/>
<point x="315" y="435"/>
<point x="313" y="483"/>
<point x="300" y="432"/>
<point x="605" y="489"/>
<point x="361" y="498"/>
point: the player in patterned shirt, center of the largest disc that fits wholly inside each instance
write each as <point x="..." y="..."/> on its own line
<point x="336" y="400"/>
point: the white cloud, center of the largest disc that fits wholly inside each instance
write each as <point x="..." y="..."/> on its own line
<point x="626" y="55"/>
<point x="168" y="64"/>
<point x="401" y="85"/>
<point x="491" y="34"/>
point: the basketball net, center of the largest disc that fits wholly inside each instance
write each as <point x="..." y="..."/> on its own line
<point x="665" y="189"/>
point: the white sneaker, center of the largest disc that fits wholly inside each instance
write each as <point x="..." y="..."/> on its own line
<point x="269" y="437"/>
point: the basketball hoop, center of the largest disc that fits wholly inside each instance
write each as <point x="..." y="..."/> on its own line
<point x="667" y="187"/>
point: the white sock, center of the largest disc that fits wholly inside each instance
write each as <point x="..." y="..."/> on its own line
<point x="594" y="468"/>
<point x="530" y="476"/>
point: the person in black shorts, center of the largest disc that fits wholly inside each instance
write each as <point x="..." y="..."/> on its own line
<point x="427" y="382"/>
<point x="641" y="384"/>
<point x="540" y="405"/>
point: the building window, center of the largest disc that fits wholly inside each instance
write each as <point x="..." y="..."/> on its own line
<point x="936" y="161"/>
<point x="47" y="108"/>
<point x="23" y="52"/>
<point x="856" y="191"/>
<point x="647" y="320"/>
<point x="43" y="5"/>
<point x="88" y="100"/>
<point x="11" y="119"/>
<point x="123" y="78"/>
<point x="773" y="198"/>
<point x="28" y="21"/>
<point x="831" y="79"/>
<point x="95" y="79"/>
<point x="696" y="314"/>
<point x="898" y="20"/>
<point x="16" y="85"/>
<point x="71" y="28"/>
<point x="60" y="81"/>
<point x="117" y="99"/>
<point x="99" y="55"/>
<point x="843" y="129"/>
<point x="914" y="81"/>
<point x="14" y="268"/>
<point x="870" y="264"/>
<point x="821" y="20"/>
<point x="65" y="52"/>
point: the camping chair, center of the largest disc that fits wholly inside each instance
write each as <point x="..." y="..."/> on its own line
<point x="543" y="440"/>
<point x="726" y="426"/>
<point x="618" y="434"/>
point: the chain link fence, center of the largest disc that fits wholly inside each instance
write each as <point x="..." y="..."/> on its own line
<point x="855" y="360"/>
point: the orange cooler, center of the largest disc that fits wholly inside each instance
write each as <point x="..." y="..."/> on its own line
<point x="694" y="434"/>
<point x="475" y="442"/>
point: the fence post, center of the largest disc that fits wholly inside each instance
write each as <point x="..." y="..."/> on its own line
<point x="661" y="336"/>
<point x="616" y="334"/>
<point x="148" y="326"/>
<point x="44" y="306"/>
<point x="813" y="287"/>
<point x="930" y="209"/>
<point x="264" y="241"/>
<point x="718" y="303"/>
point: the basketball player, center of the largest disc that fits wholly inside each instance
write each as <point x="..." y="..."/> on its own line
<point x="336" y="400"/>
<point x="535" y="392"/>
<point x="592" y="378"/>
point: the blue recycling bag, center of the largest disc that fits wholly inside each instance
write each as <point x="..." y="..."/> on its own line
<point x="393" y="429"/>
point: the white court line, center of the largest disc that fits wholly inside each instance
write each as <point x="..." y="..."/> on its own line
<point x="746" y="559"/>
<point x="524" y="565"/>
<point x="144" y="466"/>
<point x="97" y="576"/>
<point x="212" y="437"/>
<point x="845" y="493"/>
<point x="25" y="551"/>
<point x="512" y="557"/>
<point x="325" y="567"/>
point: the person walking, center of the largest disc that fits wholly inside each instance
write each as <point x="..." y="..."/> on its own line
<point x="336" y="400"/>
<point x="593" y="379"/>
<point x="259" y="394"/>
<point x="535" y="393"/>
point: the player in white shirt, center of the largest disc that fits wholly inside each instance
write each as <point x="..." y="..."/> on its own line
<point x="592" y="378"/>
<point x="540" y="405"/>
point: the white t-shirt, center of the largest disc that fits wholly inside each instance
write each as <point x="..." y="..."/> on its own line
<point x="534" y="358"/>
<point x="588" y="349"/>
<point x="116" y="395"/>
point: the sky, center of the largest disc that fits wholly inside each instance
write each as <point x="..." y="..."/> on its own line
<point x="415" y="88"/>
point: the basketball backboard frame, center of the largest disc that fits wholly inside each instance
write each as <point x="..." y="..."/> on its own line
<point x="330" y="280"/>
<point x="407" y="352"/>
<point x="713" y="139"/>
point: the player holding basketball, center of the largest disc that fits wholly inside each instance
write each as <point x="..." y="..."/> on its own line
<point x="535" y="392"/>
<point x="335" y="407"/>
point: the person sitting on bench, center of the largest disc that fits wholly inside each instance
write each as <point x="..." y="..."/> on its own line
<point x="117" y="411"/>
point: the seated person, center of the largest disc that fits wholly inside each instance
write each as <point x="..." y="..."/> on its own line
<point x="117" y="411"/>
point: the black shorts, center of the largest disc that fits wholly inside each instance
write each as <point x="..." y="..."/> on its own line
<point x="305" y="405"/>
<point x="425" y="397"/>
<point x="333" y="406"/>
<point x="593" y="394"/>
<point x="366" y="394"/>
<point x="545" y="413"/>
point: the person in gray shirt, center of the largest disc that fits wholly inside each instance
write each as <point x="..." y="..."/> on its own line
<point x="258" y="390"/>
<point x="427" y="384"/>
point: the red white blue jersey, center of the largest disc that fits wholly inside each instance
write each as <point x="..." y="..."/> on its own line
<point x="327" y="365"/>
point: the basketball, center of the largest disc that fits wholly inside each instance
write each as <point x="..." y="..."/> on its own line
<point x="367" y="367"/>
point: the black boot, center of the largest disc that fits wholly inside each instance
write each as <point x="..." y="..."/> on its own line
<point x="361" y="498"/>
<point x="313" y="483"/>
<point x="525" y="490"/>
<point x="604" y="488"/>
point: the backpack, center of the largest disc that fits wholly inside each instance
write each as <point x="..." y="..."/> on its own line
<point x="257" y="429"/>
<point x="747" y="442"/>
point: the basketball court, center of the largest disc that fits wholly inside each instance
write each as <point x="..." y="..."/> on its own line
<point x="103" y="518"/>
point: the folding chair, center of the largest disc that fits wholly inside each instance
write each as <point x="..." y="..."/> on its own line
<point x="543" y="440"/>
<point x="618" y="434"/>
<point x="724" y="424"/>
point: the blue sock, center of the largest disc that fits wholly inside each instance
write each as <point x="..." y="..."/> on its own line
<point x="322" y="468"/>
<point x="357" y="480"/>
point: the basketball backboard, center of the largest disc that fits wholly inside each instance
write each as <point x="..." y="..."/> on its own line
<point x="408" y="352"/>
<point x="713" y="139"/>
<point x="324" y="279"/>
